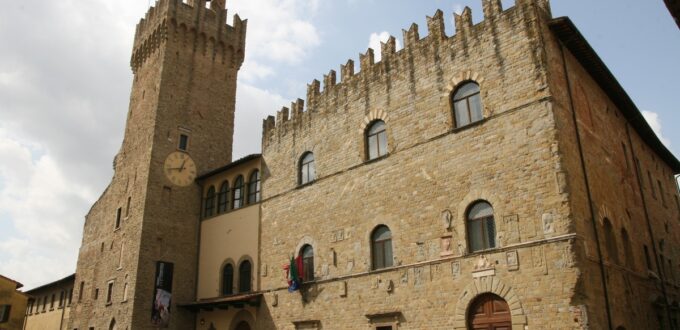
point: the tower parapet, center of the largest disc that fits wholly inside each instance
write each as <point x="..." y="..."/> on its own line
<point x="397" y="62"/>
<point x="190" y="23"/>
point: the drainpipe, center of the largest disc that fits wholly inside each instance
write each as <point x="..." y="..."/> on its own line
<point x="638" y="176"/>
<point x="587" y="183"/>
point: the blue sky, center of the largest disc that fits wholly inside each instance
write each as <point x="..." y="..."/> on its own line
<point x="65" y="83"/>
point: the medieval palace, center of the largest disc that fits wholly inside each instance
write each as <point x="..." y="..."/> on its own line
<point x="497" y="178"/>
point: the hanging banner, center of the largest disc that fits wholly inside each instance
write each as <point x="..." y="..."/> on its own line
<point x="160" y="310"/>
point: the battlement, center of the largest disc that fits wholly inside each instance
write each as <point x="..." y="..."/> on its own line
<point x="394" y="61"/>
<point x="193" y="22"/>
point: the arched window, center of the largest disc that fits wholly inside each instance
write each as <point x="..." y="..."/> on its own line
<point x="307" y="254"/>
<point x="209" y="206"/>
<point x="223" y="198"/>
<point x="244" y="272"/>
<point x="481" y="227"/>
<point x="381" y="247"/>
<point x="227" y="280"/>
<point x="237" y="193"/>
<point x="112" y="325"/>
<point x="610" y="241"/>
<point x="376" y="140"/>
<point x="254" y="187"/>
<point x="467" y="104"/>
<point x="307" y="168"/>
<point x="627" y="249"/>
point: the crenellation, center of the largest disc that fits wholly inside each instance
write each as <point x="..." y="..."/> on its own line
<point x="313" y="92"/>
<point x="207" y="28"/>
<point x="411" y="36"/>
<point x="388" y="48"/>
<point x="435" y="25"/>
<point x="366" y="60"/>
<point x="492" y="8"/>
<point x="329" y="81"/>
<point x="346" y="71"/>
<point x="297" y="108"/>
<point x="463" y="21"/>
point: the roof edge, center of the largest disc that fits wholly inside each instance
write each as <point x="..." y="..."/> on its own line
<point x="565" y="30"/>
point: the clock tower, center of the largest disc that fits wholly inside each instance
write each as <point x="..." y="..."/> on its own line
<point x="138" y="257"/>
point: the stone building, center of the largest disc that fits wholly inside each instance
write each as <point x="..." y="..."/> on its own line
<point x="49" y="305"/>
<point x="498" y="178"/>
<point x="12" y="304"/>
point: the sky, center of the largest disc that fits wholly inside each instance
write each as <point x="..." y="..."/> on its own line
<point x="65" y="82"/>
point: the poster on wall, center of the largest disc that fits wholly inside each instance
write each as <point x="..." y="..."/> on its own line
<point x="160" y="310"/>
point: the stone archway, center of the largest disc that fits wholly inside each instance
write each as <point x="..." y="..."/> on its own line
<point x="483" y="285"/>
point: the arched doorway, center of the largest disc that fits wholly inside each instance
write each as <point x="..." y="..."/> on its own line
<point x="489" y="312"/>
<point x="243" y="325"/>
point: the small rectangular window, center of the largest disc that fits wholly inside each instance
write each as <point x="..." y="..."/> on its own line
<point x="109" y="292"/>
<point x="4" y="313"/>
<point x="127" y="207"/>
<point x="70" y="296"/>
<point x="44" y="304"/>
<point x="80" y="291"/>
<point x="61" y="299"/>
<point x="183" y="142"/>
<point x="96" y="293"/>
<point x="52" y="301"/>
<point x="118" y="214"/>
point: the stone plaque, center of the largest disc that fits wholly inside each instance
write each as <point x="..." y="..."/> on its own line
<point x="511" y="223"/>
<point x="548" y="223"/>
<point x="446" y="249"/>
<point x="455" y="269"/>
<point x="512" y="259"/>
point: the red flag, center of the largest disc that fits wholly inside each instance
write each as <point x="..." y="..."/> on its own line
<point x="301" y="271"/>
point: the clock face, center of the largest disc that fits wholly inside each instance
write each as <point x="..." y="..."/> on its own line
<point x="180" y="169"/>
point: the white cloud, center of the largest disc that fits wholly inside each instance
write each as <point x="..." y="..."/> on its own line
<point x="458" y="8"/>
<point x="278" y="30"/>
<point x="374" y="42"/>
<point x="654" y="121"/>
<point x="252" y="106"/>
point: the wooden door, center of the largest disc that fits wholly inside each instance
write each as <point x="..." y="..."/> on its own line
<point x="489" y="312"/>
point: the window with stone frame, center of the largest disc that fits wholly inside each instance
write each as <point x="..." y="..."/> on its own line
<point x="467" y="104"/>
<point x="223" y="198"/>
<point x="307" y="254"/>
<point x="209" y="202"/>
<point x="376" y="140"/>
<point x="4" y="313"/>
<point x="183" y="142"/>
<point x="381" y="247"/>
<point x="610" y="242"/>
<point x="118" y="217"/>
<point x="237" y="193"/>
<point x="227" y="279"/>
<point x="481" y="227"/>
<point x="254" y="187"/>
<point x="307" y="169"/>
<point x="244" y="276"/>
<point x="109" y="292"/>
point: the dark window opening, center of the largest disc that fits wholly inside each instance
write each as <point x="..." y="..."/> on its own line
<point x="118" y="215"/>
<point x="183" y="142"/>
<point x="467" y="105"/>
<point x="376" y="140"/>
<point x="109" y="292"/>
<point x="307" y="254"/>
<point x="254" y="187"/>
<point x="228" y="280"/>
<point x="610" y="242"/>
<point x="381" y="247"/>
<point x="237" y="193"/>
<point x="307" y="168"/>
<point x="223" y="198"/>
<point x="244" y="276"/>
<point x="481" y="227"/>
<point x="209" y="203"/>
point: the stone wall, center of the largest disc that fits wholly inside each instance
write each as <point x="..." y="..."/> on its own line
<point x="185" y="60"/>
<point x="433" y="172"/>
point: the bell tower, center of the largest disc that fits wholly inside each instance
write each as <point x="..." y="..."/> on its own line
<point x="138" y="257"/>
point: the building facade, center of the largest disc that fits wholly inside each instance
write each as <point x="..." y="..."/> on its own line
<point x="498" y="178"/>
<point x="49" y="305"/>
<point x="12" y="304"/>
